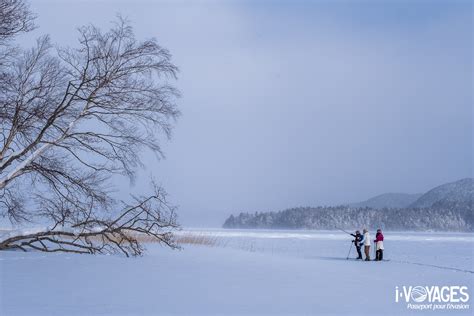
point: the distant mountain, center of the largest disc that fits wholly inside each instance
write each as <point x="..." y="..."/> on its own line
<point x="447" y="207"/>
<point x="461" y="191"/>
<point x="440" y="217"/>
<point x="389" y="200"/>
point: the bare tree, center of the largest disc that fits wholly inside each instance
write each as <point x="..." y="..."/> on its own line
<point x="70" y="120"/>
<point x="15" y="18"/>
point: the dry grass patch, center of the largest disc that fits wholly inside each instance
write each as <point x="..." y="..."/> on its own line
<point x="197" y="239"/>
<point x="185" y="238"/>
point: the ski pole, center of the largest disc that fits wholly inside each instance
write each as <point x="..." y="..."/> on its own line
<point x="345" y="231"/>
<point x="350" y="248"/>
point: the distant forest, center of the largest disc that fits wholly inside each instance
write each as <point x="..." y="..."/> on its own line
<point x="441" y="216"/>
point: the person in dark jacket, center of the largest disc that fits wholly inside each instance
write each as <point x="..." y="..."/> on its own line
<point x="358" y="242"/>
<point x="378" y="245"/>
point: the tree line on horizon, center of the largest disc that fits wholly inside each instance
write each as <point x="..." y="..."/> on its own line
<point x="441" y="216"/>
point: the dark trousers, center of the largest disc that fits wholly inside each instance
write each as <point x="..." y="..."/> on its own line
<point x="359" y="252"/>
<point x="379" y="255"/>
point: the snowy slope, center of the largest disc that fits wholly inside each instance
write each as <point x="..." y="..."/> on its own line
<point x="388" y="200"/>
<point x="458" y="192"/>
<point x="249" y="273"/>
<point x="445" y="208"/>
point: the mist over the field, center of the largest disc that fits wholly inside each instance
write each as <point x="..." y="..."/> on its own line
<point x="291" y="104"/>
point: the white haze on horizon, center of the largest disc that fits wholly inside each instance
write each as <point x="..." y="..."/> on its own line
<point x="293" y="104"/>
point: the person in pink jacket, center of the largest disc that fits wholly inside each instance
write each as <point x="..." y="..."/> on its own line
<point x="378" y="245"/>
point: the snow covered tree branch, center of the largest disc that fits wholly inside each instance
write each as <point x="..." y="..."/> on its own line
<point x="90" y="235"/>
<point x="72" y="118"/>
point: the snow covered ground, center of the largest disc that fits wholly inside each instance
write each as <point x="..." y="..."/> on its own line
<point x="245" y="273"/>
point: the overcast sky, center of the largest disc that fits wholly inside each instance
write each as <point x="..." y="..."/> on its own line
<point x="301" y="103"/>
